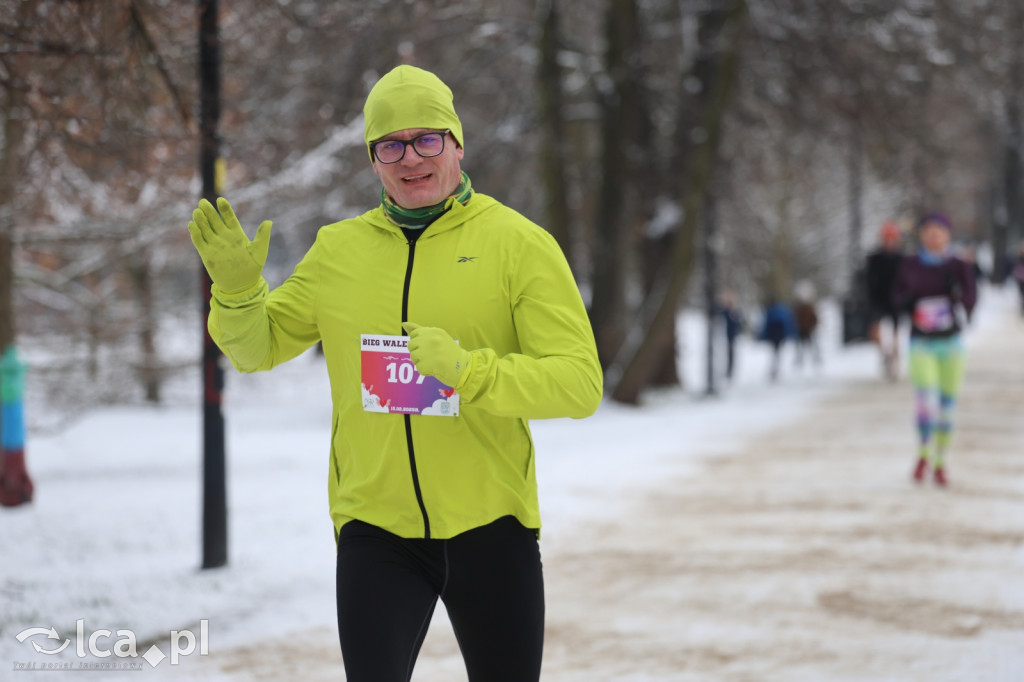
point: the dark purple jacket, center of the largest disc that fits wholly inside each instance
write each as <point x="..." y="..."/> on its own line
<point x="952" y="280"/>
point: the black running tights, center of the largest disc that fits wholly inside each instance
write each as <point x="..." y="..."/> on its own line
<point x="489" y="579"/>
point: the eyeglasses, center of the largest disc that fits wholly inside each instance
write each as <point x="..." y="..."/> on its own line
<point x="426" y="145"/>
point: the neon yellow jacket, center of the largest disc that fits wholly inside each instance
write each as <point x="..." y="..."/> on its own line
<point x="493" y="280"/>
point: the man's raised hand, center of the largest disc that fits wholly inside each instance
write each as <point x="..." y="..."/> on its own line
<point x="235" y="264"/>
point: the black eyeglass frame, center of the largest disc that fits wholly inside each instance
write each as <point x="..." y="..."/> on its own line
<point x="411" y="143"/>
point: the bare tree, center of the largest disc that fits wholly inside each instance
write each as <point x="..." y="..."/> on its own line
<point x="551" y="149"/>
<point x="716" y="70"/>
<point x="90" y="100"/>
<point x="612" y="243"/>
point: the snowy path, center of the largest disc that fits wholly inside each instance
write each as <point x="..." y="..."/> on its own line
<point x="809" y="555"/>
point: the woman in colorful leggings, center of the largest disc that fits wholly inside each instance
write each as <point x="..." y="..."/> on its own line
<point x="938" y="290"/>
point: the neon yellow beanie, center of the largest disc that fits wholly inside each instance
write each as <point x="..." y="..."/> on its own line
<point x="408" y="97"/>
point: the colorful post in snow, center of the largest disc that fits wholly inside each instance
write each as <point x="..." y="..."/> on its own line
<point x="15" y="485"/>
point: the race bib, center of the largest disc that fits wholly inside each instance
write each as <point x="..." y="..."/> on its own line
<point x="391" y="383"/>
<point x="934" y="314"/>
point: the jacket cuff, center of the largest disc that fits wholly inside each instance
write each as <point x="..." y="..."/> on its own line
<point x="469" y="385"/>
<point x="242" y="298"/>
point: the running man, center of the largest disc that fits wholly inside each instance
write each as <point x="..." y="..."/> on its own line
<point x="938" y="290"/>
<point x="448" y="321"/>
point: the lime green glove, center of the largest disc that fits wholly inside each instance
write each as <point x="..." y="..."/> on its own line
<point x="235" y="264"/>
<point x="435" y="353"/>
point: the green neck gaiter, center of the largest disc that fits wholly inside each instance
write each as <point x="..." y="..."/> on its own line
<point x="418" y="218"/>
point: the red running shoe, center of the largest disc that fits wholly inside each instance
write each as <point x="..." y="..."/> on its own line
<point x="940" y="477"/>
<point x="919" y="470"/>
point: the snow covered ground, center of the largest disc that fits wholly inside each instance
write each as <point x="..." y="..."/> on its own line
<point x="113" y="535"/>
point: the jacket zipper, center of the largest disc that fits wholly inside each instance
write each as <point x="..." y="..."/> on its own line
<point x="408" y="421"/>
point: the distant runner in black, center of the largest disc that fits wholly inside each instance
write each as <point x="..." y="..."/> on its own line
<point x="882" y="265"/>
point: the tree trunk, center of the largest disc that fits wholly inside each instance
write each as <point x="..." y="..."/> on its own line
<point x="9" y="168"/>
<point x="781" y="286"/>
<point x="652" y="179"/>
<point x="611" y="240"/>
<point x="149" y="373"/>
<point x="856" y="186"/>
<point x="717" y="69"/>
<point x="1013" y="186"/>
<point x="1013" y="166"/>
<point x="6" y="285"/>
<point x="552" y="146"/>
<point x="655" y="256"/>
